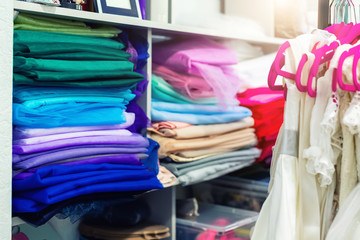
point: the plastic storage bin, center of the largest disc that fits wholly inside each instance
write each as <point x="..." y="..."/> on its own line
<point x="245" y="189"/>
<point x="214" y="222"/>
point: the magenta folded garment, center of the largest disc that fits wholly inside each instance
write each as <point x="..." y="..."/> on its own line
<point x="191" y="86"/>
<point x="92" y="140"/>
<point x="54" y="137"/>
<point x="202" y="57"/>
<point x="23" y="132"/>
<point x="61" y="154"/>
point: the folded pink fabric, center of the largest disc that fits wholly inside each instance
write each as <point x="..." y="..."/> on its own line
<point x="191" y="86"/>
<point x="202" y="57"/>
<point x="170" y="125"/>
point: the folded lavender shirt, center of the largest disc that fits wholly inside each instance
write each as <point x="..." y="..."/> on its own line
<point x="55" y="137"/>
<point x="91" y="140"/>
<point x="23" y="132"/>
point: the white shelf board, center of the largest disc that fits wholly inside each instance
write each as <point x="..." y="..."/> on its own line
<point x="157" y="27"/>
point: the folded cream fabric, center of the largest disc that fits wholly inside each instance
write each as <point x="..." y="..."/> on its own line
<point x="197" y="131"/>
<point x="169" y="124"/>
<point x="221" y="148"/>
<point x="219" y="143"/>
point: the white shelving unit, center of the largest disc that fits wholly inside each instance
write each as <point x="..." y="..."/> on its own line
<point x="157" y="27"/>
<point x="162" y="201"/>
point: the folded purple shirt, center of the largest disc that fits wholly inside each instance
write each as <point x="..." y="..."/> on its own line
<point x="91" y="140"/>
<point x="23" y="132"/>
<point x="61" y="136"/>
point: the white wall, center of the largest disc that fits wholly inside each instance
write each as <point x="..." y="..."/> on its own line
<point x="262" y="11"/>
<point x="6" y="32"/>
<point x="194" y="11"/>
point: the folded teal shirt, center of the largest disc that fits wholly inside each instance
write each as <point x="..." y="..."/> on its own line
<point x="68" y="114"/>
<point x="26" y="93"/>
<point x="22" y="64"/>
<point x="67" y="46"/>
<point x="69" y="40"/>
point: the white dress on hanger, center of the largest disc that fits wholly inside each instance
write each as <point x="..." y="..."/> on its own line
<point x="346" y="224"/>
<point x="352" y="121"/>
<point x="288" y="212"/>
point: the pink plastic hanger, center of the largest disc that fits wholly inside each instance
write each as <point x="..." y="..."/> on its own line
<point x="276" y="66"/>
<point x="347" y="33"/>
<point x="322" y="55"/>
<point x="354" y="71"/>
<point x="339" y="75"/>
<point x="303" y="60"/>
<point x="355" y="51"/>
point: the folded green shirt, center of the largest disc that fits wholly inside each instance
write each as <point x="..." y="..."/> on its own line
<point x="33" y="44"/>
<point x="88" y="55"/>
<point x="128" y="79"/>
<point x="25" y="21"/>
<point x="22" y="64"/>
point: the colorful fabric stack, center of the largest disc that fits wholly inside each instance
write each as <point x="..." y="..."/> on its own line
<point x="75" y="118"/>
<point x="268" y="109"/>
<point x="201" y="132"/>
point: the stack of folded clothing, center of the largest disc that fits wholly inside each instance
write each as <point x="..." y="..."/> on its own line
<point x="201" y="132"/>
<point x="268" y="108"/>
<point x="75" y="119"/>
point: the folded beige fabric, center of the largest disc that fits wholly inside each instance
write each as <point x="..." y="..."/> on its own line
<point x="177" y="158"/>
<point x="166" y="177"/>
<point x="217" y="143"/>
<point x="221" y="148"/>
<point x="138" y="232"/>
<point x="169" y="124"/>
<point x="197" y="131"/>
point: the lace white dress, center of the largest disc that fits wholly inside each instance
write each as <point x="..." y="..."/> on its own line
<point x="347" y="221"/>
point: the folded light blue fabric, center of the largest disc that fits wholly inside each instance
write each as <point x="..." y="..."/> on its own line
<point x="68" y="114"/>
<point x="196" y="114"/>
<point x="212" y="172"/>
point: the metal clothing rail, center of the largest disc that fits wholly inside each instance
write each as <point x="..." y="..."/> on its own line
<point x="323" y="14"/>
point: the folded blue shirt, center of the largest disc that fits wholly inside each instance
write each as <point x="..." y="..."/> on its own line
<point x="196" y="114"/>
<point x="55" y="183"/>
<point x="33" y="201"/>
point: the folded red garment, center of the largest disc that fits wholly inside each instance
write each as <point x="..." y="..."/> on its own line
<point x="268" y="111"/>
